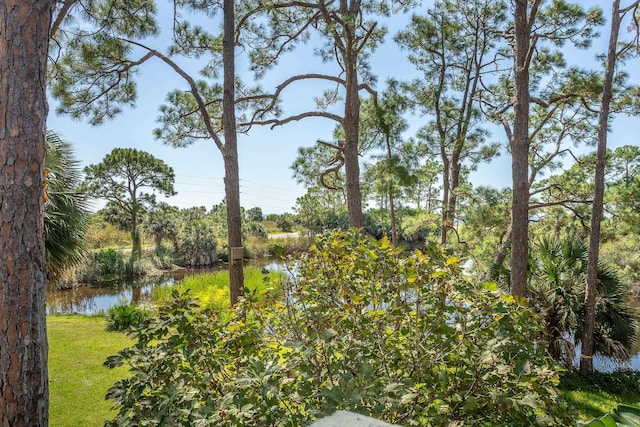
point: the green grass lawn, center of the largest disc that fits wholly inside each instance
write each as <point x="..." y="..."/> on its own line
<point x="592" y="404"/>
<point x="597" y="394"/>
<point x="78" y="345"/>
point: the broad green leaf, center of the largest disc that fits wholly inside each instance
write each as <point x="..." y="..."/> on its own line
<point x="490" y="286"/>
<point x="628" y="414"/>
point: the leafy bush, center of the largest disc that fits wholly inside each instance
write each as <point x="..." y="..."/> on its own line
<point x="106" y="264"/>
<point x="254" y="228"/>
<point x="420" y="226"/>
<point x="212" y="289"/>
<point x="163" y="258"/>
<point x="404" y="338"/>
<point x="558" y="267"/>
<point x="284" y="224"/>
<point x="618" y="382"/>
<point x="197" y="244"/>
<point x="122" y="317"/>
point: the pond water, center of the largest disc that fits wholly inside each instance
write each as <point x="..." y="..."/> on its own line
<point x="96" y="299"/>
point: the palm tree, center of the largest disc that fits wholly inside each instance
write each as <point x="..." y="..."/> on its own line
<point x="65" y="214"/>
<point x="161" y="222"/>
<point x="558" y="268"/>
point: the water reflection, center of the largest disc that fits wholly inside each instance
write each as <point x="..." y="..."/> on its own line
<point x="604" y="364"/>
<point x="97" y="299"/>
<point x="93" y="300"/>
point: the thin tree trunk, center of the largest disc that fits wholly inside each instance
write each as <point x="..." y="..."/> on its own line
<point x="392" y="208"/>
<point x="136" y="248"/>
<point x="454" y="183"/>
<point x="444" y="227"/>
<point x="392" y="217"/>
<point x="586" y="355"/>
<point x="352" y="129"/>
<point x="520" y="154"/>
<point x="24" y="37"/>
<point x="230" y="154"/>
<point x="500" y="255"/>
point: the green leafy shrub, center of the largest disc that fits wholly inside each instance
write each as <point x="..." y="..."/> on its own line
<point x="409" y="339"/>
<point x="558" y="267"/>
<point x="197" y="244"/>
<point x="404" y="338"/>
<point x="254" y="229"/>
<point x="618" y="382"/>
<point x="163" y="258"/>
<point x="106" y="264"/>
<point x="191" y="368"/>
<point x="212" y="289"/>
<point x="285" y="225"/>
<point x="122" y="317"/>
<point x="138" y="267"/>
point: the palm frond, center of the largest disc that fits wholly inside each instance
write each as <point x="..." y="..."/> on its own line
<point x="66" y="209"/>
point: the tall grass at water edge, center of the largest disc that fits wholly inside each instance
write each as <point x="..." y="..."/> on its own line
<point x="212" y="289"/>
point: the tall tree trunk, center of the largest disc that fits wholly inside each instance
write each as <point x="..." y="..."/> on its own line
<point x="499" y="256"/>
<point x="136" y="248"/>
<point x="454" y="183"/>
<point x="446" y="189"/>
<point x="230" y="154"/>
<point x="24" y="38"/>
<point x="392" y="217"/>
<point x="586" y="355"/>
<point x="520" y="153"/>
<point x="392" y="207"/>
<point x="352" y="129"/>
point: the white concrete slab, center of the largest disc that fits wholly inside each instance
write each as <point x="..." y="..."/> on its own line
<point x="349" y="419"/>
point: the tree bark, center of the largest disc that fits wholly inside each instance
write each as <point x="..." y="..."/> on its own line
<point x="392" y="207"/>
<point x="520" y="153"/>
<point x="24" y="38"/>
<point x="136" y="247"/>
<point x="230" y="153"/>
<point x="450" y="196"/>
<point x="352" y="130"/>
<point x="446" y="186"/>
<point x="500" y="255"/>
<point x="586" y="355"/>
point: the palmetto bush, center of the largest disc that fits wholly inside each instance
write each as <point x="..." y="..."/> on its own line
<point x="558" y="269"/>
<point x="406" y="338"/>
<point x="196" y="243"/>
<point x="66" y="213"/>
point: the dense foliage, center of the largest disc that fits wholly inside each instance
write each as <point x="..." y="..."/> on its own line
<point x="66" y="213"/>
<point x="122" y="317"/>
<point x="558" y="268"/>
<point x="403" y="337"/>
<point x="128" y="179"/>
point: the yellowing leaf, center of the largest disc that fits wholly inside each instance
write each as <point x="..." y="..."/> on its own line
<point x="453" y="260"/>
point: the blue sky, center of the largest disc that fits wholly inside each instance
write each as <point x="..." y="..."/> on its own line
<point x="266" y="155"/>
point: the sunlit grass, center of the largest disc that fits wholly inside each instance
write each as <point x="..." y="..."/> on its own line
<point x="591" y="404"/>
<point x="78" y="346"/>
<point x="212" y="289"/>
